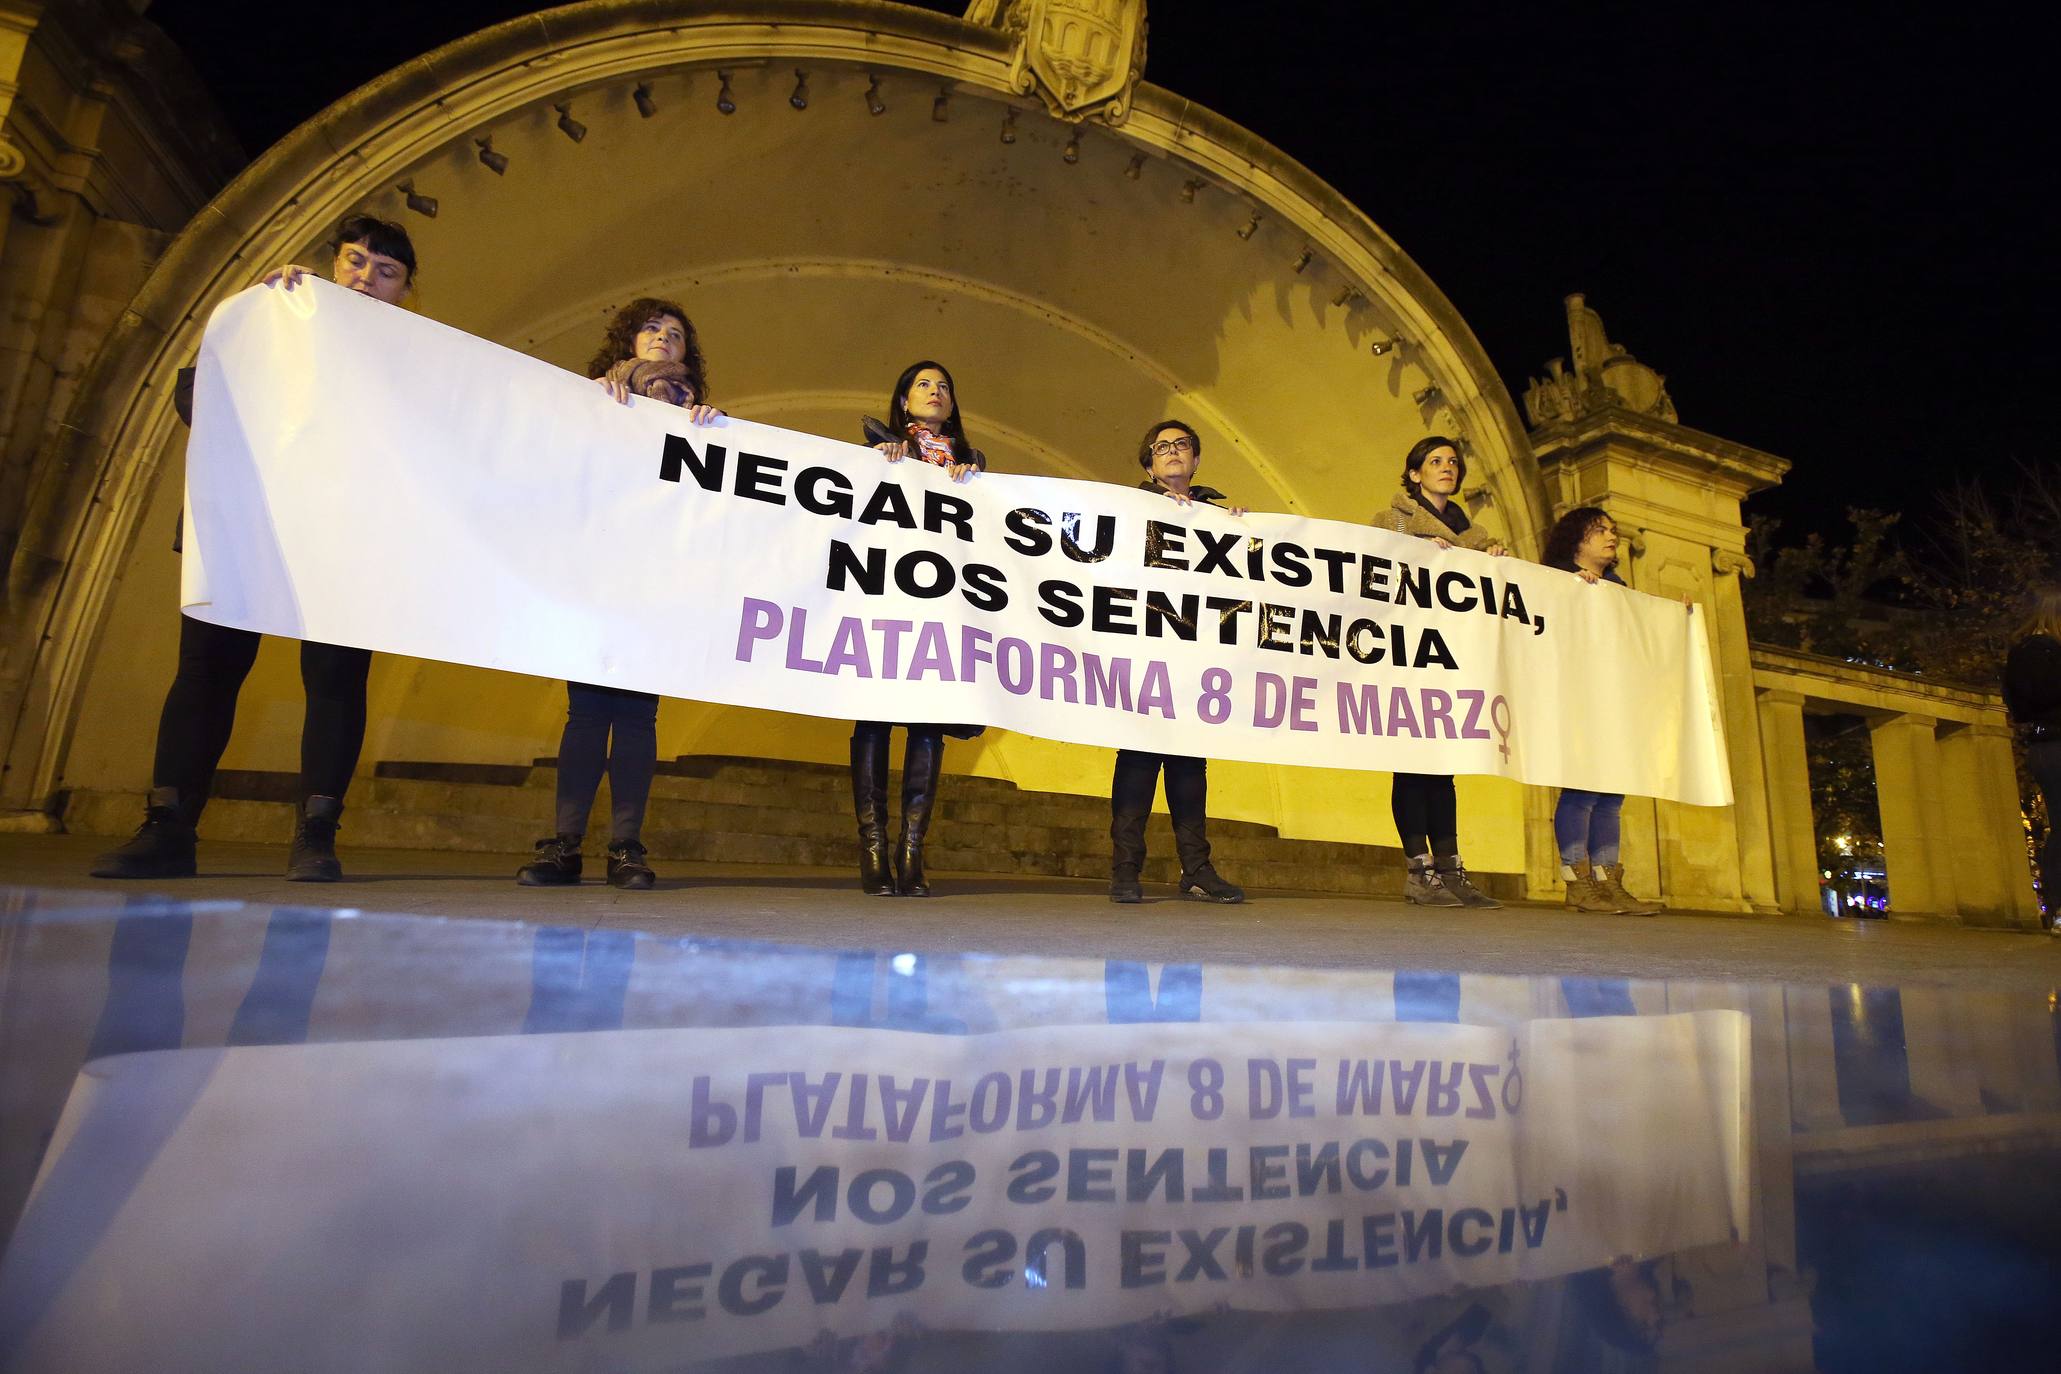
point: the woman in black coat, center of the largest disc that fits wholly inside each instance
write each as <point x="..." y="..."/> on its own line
<point x="923" y="424"/>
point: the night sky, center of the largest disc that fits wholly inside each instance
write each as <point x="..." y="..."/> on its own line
<point x="1818" y="221"/>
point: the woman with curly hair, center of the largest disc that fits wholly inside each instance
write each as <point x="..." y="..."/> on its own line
<point x="922" y="423"/>
<point x="650" y="350"/>
<point x="1585" y="824"/>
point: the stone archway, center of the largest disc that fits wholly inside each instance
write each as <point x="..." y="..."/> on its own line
<point x="878" y="188"/>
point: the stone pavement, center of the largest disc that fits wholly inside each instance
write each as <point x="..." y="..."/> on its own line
<point x="985" y="913"/>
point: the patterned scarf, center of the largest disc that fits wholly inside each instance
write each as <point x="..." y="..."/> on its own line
<point x="932" y="448"/>
<point x="660" y="381"/>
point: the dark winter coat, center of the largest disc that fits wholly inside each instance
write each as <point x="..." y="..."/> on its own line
<point x="1409" y="513"/>
<point x="1209" y="496"/>
<point x="2032" y="685"/>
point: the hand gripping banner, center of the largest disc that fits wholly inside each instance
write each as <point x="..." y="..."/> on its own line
<point x="363" y="476"/>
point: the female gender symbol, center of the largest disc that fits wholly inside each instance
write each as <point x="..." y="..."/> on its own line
<point x="1499" y="716"/>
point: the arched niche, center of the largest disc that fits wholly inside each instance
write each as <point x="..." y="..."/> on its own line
<point x="916" y="205"/>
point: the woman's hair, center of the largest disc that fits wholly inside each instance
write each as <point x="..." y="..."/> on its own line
<point x="1424" y="448"/>
<point x="2042" y="611"/>
<point x="898" y="409"/>
<point x="621" y="341"/>
<point x="1145" y="444"/>
<point x="1567" y="534"/>
<point x="381" y="236"/>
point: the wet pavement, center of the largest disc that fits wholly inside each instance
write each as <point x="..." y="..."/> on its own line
<point x="755" y="1121"/>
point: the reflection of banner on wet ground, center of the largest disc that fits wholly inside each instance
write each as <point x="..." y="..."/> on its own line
<point x="364" y="476"/>
<point x="633" y="1199"/>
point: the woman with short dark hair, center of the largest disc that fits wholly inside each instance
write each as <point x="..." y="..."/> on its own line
<point x="1586" y="824"/>
<point x="1170" y="453"/>
<point x="650" y="350"/>
<point x="922" y="423"/>
<point x="375" y="258"/>
<point x="1425" y="805"/>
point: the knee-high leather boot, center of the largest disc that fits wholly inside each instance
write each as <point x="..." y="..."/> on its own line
<point x="869" y="802"/>
<point x="920" y="767"/>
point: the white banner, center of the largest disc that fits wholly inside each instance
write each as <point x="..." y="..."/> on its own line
<point x="631" y="1200"/>
<point x="364" y="476"/>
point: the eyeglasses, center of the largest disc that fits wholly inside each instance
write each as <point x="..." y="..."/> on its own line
<point x="1166" y="448"/>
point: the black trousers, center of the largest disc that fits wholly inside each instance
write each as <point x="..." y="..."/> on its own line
<point x="586" y="750"/>
<point x="200" y="711"/>
<point x="1427" y="814"/>
<point x="1130" y="802"/>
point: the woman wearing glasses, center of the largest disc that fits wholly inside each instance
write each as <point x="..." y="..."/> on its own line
<point x="1170" y="453"/>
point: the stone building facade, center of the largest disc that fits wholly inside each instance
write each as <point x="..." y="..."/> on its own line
<point x="1108" y="253"/>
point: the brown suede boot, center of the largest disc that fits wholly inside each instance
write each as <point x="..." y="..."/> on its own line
<point x="1586" y="893"/>
<point x="1611" y="883"/>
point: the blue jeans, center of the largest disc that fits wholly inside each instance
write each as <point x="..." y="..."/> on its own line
<point x="1585" y="826"/>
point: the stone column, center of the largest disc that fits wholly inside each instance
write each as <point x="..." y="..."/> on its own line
<point x="1793" y="830"/>
<point x="1996" y="775"/>
<point x="1732" y="657"/>
<point x="1915" y="847"/>
<point x="1979" y="843"/>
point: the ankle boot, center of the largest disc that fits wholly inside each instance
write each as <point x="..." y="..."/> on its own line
<point x="557" y="863"/>
<point x="1452" y="874"/>
<point x="313" y="857"/>
<point x="1584" y="893"/>
<point x="921" y="764"/>
<point x="1423" y="887"/>
<point x="869" y="802"/>
<point x="1611" y="883"/>
<point x="162" y="847"/>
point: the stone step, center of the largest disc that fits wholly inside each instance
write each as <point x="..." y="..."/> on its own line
<point x="712" y="808"/>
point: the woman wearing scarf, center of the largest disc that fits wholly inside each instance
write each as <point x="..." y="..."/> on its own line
<point x="922" y="423"/>
<point x="1585" y="824"/>
<point x="1425" y="806"/>
<point x="650" y="350"/>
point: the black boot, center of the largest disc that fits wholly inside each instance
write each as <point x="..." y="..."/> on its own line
<point x="921" y="763"/>
<point x="313" y="857"/>
<point x="627" y="867"/>
<point x="557" y="863"/>
<point x="1130" y="801"/>
<point x="869" y="803"/>
<point x="163" y="846"/>
<point x="1187" y="800"/>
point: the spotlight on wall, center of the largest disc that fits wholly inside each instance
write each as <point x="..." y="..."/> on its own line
<point x="1302" y="261"/>
<point x="937" y="106"/>
<point x="1344" y="297"/>
<point x="1009" y="125"/>
<point x="646" y="106"/>
<point x="874" y="104"/>
<point x="725" y="101"/>
<point x="1136" y="168"/>
<point x="800" y="98"/>
<point x="497" y="163"/>
<point x="1251" y="226"/>
<point x="1072" y="151"/>
<point x="1428" y="396"/>
<point x="425" y="206"/>
<point x="1189" y="188"/>
<point x="567" y="125"/>
<point x="1383" y="347"/>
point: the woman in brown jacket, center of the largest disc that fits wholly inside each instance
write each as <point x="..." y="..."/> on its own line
<point x="1425" y="807"/>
